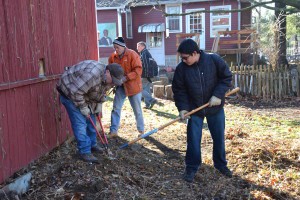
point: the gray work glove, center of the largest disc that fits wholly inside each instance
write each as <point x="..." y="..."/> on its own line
<point x="98" y="109"/>
<point x="214" y="101"/>
<point x="85" y="111"/>
<point x="181" y="115"/>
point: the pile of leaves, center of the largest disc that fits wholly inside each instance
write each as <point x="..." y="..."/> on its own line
<point x="262" y="144"/>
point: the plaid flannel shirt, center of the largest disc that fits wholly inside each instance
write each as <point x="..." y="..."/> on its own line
<point x="84" y="83"/>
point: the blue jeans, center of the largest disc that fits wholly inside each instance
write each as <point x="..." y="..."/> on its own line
<point x="83" y="129"/>
<point x="146" y="93"/>
<point x="216" y="126"/>
<point x="135" y="102"/>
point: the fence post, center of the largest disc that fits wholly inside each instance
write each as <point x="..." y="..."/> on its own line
<point x="271" y="83"/>
<point x="276" y="79"/>
<point x="280" y="85"/>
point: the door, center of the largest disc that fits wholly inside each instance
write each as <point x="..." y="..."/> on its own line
<point x="195" y="23"/>
<point x="155" y="42"/>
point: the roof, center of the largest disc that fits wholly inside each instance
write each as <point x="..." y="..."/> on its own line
<point x="105" y="4"/>
<point x="147" y="28"/>
<point x="110" y="3"/>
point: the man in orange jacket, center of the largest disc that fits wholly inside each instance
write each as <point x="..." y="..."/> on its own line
<point x="131" y="88"/>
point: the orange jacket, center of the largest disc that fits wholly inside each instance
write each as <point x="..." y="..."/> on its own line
<point x="132" y="66"/>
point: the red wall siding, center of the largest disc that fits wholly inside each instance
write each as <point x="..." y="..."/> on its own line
<point x="32" y="121"/>
<point x="141" y="15"/>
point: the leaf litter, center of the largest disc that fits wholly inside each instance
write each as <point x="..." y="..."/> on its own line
<point x="262" y="144"/>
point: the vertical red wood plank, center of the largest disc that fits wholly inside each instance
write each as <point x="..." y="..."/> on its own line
<point x="27" y="123"/>
<point x="3" y="46"/>
<point x="13" y="136"/>
<point x="4" y="139"/>
<point x="36" y="139"/>
<point x="19" y="128"/>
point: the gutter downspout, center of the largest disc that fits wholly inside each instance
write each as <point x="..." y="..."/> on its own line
<point x="96" y="12"/>
<point x="239" y="15"/>
<point x="238" y="55"/>
<point x="120" y="33"/>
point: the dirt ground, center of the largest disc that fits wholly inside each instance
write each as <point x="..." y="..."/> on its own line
<point x="262" y="144"/>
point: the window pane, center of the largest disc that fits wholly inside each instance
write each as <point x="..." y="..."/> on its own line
<point x="173" y="9"/>
<point x="174" y="21"/>
<point x="174" y="24"/>
<point x="220" y="21"/>
<point x="196" y="23"/>
<point x="216" y="29"/>
<point x="129" y="24"/>
<point x="155" y="39"/>
<point x="221" y="13"/>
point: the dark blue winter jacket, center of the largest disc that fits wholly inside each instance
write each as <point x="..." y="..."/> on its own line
<point x="145" y="56"/>
<point x="194" y="85"/>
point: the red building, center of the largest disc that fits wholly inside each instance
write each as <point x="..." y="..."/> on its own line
<point x="38" y="39"/>
<point x="146" y="22"/>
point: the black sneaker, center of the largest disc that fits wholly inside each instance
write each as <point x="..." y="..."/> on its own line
<point x="88" y="157"/>
<point x="97" y="149"/>
<point x="226" y="172"/>
<point x="189" y="176"/>
<point x="153" y="103"/>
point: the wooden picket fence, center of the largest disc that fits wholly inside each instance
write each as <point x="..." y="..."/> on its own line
<point x="266" y="83"/>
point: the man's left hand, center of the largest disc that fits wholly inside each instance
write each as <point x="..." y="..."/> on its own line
<point x="214" y="101"/>
<point x="98" y="109"/>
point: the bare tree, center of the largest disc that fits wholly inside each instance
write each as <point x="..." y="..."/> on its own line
<point x="281" y="18"/>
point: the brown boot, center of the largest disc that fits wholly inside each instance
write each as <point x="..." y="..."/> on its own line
<point x="140" y="133"/>
<point x="113" y="134"/>
<point x="88" y="157"/>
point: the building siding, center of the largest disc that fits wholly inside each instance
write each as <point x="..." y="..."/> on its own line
<point x="145" y="15"/>
<point x="61" y="33"/>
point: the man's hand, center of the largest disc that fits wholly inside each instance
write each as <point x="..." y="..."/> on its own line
<point x="214" y="101"/>
<point x="98" y="109"/>
<point x="124" y="79"/>
<point x="181" y="115"/>
<point x="103" y="99"/>
<point x="85" y="111"/>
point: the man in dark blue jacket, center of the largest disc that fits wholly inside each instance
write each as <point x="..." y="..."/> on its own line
<point x="146" y="75"/>
<point x="200" y="78"/>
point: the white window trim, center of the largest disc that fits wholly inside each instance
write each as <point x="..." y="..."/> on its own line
<point x="219" y="16"/>
<point x="187" y="24"/>
<point x="128" y="11"/>
<point x="180" y="18"/>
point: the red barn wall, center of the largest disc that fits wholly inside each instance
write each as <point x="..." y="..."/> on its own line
<point x="61" y="33"/>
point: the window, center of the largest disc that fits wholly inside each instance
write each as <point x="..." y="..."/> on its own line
<point x="174" y="23"/>
<point x="129" y="24"/>
<point x="194" y="22"/>
<point x="220" y="21"/>
<point x="155" y="39"/>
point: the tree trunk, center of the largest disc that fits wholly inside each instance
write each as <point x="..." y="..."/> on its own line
<point x="281" y="17"/>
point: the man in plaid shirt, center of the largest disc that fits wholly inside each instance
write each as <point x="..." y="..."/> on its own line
<point x="82" y="89"/>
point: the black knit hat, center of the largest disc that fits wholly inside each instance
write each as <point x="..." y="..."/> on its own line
<point x="116" y="72"/>
<point x="119" y="41"/>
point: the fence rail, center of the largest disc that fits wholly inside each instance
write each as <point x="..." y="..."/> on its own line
<point x="266" y="83"/>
